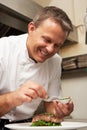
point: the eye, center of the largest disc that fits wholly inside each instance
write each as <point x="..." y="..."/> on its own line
<point x="46" y="39"/>
<point x="56" y="46"/>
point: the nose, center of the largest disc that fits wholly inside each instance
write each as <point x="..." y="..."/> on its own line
<point x="50" y="48"/>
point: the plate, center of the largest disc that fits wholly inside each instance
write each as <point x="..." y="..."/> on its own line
<point x="65" y="126"/>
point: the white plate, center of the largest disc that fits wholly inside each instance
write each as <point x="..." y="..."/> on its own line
<point x="65" y="126"/>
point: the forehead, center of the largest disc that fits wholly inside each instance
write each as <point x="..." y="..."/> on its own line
<point x="49" y="21"/>
<point x="52" y="28"/>
<point x="52" y="24"/>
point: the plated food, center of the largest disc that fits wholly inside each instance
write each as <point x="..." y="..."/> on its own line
<point x="46" y="119"/>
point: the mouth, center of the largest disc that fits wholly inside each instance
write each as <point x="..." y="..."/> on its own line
<point x="43" y="53"/>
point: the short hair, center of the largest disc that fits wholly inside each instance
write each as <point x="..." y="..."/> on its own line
<point x="55" y="13"/>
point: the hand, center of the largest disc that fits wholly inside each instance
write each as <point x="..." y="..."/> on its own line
<point x="29" y="91"/>
<point x="61" y="110"/>
<point x="25" y="93"/>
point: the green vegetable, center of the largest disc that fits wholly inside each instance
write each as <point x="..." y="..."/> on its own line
<point x="65" y="98"/>
<point x="44" y="123"/>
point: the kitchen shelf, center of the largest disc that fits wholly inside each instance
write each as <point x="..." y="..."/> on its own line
<point x="75" y="64"/>
<point x="83" y="69"/>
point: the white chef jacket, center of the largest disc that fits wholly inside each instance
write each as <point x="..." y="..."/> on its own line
<point x="16" y="67"/>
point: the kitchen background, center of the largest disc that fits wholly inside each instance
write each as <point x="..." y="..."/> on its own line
<point x="74" y="81"/>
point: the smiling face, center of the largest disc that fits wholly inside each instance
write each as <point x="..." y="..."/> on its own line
<point x="44" y="41"/>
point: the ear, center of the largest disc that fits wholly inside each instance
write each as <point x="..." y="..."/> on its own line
<point x="31" y="27"/>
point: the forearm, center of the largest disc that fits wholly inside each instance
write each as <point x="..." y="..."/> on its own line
<point x="7" y="102"/>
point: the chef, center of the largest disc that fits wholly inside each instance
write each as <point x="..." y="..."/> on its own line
<point x="30" y="67"/>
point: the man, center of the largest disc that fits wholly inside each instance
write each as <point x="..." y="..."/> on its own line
<point x="30" y="68"/>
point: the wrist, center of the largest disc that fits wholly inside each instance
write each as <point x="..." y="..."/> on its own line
<point x="11" y="100"/>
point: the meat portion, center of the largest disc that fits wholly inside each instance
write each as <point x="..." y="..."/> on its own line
<point x="46" y="117"/>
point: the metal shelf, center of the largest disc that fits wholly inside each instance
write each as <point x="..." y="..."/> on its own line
<point x="77" y="64"/>
<point x="84" y="69"/>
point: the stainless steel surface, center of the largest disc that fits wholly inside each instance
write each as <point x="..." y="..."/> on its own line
<point x="12" y="21"/>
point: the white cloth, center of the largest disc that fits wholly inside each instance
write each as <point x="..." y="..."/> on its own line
<point x="16" y="68"/>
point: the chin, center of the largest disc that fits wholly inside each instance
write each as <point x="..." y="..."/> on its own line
<point x="41" y="60"/>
